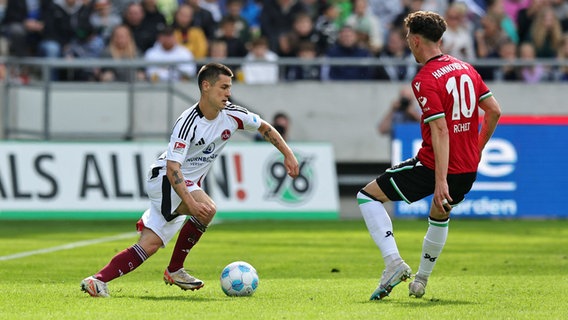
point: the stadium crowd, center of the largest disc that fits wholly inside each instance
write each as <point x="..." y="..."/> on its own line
<point x="266" y="30"/>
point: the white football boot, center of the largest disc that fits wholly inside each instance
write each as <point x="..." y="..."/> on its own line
<point x="182" y="279"/>
<point x="417" y="287"/>
<point x="95" y="287"/>
<point x="393" y="274"/>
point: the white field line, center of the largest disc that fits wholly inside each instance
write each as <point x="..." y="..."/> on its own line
<point x="68" y="246"/>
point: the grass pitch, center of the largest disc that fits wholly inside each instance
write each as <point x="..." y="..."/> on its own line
<point x="308" y="270"/>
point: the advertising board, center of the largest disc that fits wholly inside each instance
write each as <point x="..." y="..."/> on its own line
<point x="107" y="180"/>
<point x="520" y="173"/>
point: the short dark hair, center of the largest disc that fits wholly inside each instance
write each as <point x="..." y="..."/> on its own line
<point x="211" y="72"/>
<point x="428" y="24"/>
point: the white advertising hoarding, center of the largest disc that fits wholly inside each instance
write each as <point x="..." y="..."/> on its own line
<point x="108" y="180"/>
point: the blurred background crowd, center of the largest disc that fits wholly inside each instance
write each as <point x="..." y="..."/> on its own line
<point x="267" y="30"/>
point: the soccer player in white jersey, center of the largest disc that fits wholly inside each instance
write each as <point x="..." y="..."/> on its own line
<point x="174" y="185"/>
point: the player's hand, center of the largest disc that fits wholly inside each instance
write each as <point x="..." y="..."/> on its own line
<point x="202" y="211"/>
<point x="442" y="199"/>
<point x="291" y="165"/>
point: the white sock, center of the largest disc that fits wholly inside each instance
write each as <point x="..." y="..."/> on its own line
<point x="432" y="246"/>
<point x="379" y="225"/>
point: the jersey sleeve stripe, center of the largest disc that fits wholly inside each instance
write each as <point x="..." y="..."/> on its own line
<point x="233" y="107"/>
<point x="187" y="124"/>
<point x="485" y="95"/>
<point x="434" y="117"/>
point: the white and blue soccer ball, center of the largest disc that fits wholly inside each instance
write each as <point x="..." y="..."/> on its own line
<point x="239" y="278"/>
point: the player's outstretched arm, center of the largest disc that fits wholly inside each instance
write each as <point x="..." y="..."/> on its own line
<point x="273" y="136"/>
<point x="492" y="114"/>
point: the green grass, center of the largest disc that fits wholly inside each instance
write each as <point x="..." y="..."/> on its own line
<point x="488" y="270"/>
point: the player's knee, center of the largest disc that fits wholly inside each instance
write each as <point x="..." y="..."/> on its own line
<point x="150" y="242"/>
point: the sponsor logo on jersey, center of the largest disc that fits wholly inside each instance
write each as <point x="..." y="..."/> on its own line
<point x="179" y="147"/>
<point x="422" y="101"/>
<point x="226" y="134"/>
<point x="200" y="142"/>
<point x="210" y="148"/>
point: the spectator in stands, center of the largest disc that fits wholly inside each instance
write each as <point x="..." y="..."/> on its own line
<point x="191" y="37"/>
<point x="508" y="71"/>
<point x="167" y="49"/>
<point x="306" y="52"/>
<point x="277" y="18"/>
<point x="497" y="8"/>
<point x="345" y="8"/>
<point x="488" y="39"/>
<point x="214" y="7"/>
<point x="218" y="51"/>
<point x="87" y="45"/>
<point x="512" y="8"/>
<point x="526" y="16"/>
<point x="302" y="30"/>
<point x="104" y="18"/>
<point x="347" y="47"/>
<point x="560" y="8"/>
<point x="546" y="33"/>
<point x="561" y="73"/>
<point x="152" y="15"/>
<point x="203" y="18"/>
<point x="367" y="26"/>
<point x="533" y="72"/>
<point x="68" y="22"/>
<point x="121" y="46"/>
<point x="313" y="7"/>
<point x="327" y="27"/>
<point x="23" y="25"/>
<point x="236" y="48"/>
<point x="242" y="28"/>
<point x="280" y="122"/>
<point x="409" y="6"/>
<point x="386" y="11"/>
<point x="396" y="49"/>
<point x="251" y="13"/>
<point x="143" y="31"/>
<point x="168" y="8"/>
<point x="438" y="6"/>
<point x="457" y="40"/>
<point x="404" y="109"/>
<point x="259" y="66"/>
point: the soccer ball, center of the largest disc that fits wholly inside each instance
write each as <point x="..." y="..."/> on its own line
<point x="239" y="279"/>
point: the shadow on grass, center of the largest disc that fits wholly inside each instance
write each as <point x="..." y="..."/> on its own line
<point x="425" y="303"/>
<point x="173" y="298"/>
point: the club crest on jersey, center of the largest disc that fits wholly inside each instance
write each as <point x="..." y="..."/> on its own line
<point x="210" y="148"/>
<point x="189" y="183"/>
<point x="179" y="147"/>
<point x="226" y="134"/>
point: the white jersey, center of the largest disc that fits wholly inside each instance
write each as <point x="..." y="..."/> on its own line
<point x="196" y="142"/>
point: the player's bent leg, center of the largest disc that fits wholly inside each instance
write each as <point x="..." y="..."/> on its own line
<point x="379" y="224"/>
<point x="150" y="241"/>
<point x="189" y="235"/>
<point x="432" y="246"/>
